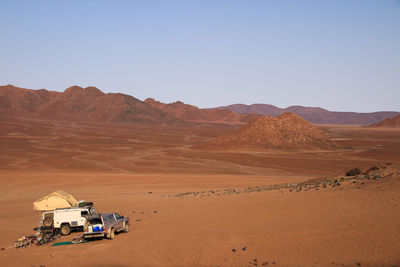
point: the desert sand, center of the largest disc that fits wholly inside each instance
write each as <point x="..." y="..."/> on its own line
<point x="144" y="171"/>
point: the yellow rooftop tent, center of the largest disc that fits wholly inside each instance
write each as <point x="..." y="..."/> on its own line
<point x="55" y="200"/>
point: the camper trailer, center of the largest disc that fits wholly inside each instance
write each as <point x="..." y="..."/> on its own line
<point x="67" y="219"/>
<point x="61" y="211"/>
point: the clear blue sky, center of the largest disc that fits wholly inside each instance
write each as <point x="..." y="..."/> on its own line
<point x="340" y="55"/>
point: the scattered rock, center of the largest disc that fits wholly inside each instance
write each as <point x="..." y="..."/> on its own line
<point x="358" y="263"/>
<point x="233" y="250"/>
<point x="142" y="212"/>
<point x="183" y="194"/>
<point x="265" y="263"/>
<point x="150" y="192"/>
<point x="3" y="249"/>
<point x="155" y="211"/>
<point x="353" y="176"/>
<point x="244" y="248"/>
<point x="373" y="168"/>
<point x="138" y="220"/>
<point x="354" y="172"/>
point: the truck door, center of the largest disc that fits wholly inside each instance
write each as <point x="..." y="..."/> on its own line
<point x="116" y="222"/>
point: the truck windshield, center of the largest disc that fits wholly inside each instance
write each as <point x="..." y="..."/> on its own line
<point x="109" y="218"/>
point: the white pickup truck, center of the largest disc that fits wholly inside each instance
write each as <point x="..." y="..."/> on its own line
<point x="67" y="219"/>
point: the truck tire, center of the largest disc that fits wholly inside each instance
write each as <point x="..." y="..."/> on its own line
<point x="65" y="229"/>
<point x="111" y="235"/>
<point x="126" y="228"/>
<point x="48" y="221"/>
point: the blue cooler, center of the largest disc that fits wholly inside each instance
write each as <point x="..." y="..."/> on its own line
<point x="97" y="228"/>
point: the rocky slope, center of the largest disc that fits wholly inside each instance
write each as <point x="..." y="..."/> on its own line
<point x="389" y="122"/>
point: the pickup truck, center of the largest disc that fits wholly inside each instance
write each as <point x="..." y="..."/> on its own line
<point x="106" y="225"/>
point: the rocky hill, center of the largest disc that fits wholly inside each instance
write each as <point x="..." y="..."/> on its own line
<point x="15" y="101"/>
<point x="315" y="115"/>
<point x="287" y="131"/>
<point x="389" y="122"/>
<point x="78" y="104"/>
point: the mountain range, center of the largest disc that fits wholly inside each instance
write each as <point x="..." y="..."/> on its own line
<point x="91" y="104"/>
<point x="315" y="115"/>
<point x="78" y="104"/>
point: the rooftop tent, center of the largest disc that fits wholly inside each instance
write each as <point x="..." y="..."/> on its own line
<point x="55" y="200"/>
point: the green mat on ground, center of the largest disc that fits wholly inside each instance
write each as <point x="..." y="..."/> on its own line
<point x="68" y="243"/>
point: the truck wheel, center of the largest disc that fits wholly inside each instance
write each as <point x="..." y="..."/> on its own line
<point x="111" y="235"/>
<point x="48" y="221"/>
<point x="126" y="228"/>
<point x="65" y="229"/>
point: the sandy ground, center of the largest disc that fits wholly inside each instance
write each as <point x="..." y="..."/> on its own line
<point x="117" y="166"/>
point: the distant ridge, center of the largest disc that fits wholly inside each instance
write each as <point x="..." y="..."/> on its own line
<point x="191" y="113"/>
<point x="287" y="131"/>
<point x="78" y="104"/>
<point x="389" y="122"/>
<point x="315" y="115"/>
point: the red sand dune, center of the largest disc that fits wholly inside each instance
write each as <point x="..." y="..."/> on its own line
<point x="315" y="114"/>
<point x="187" y="112"/>
<point x="389" y="122"/>
<point x="287" y="131"/>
